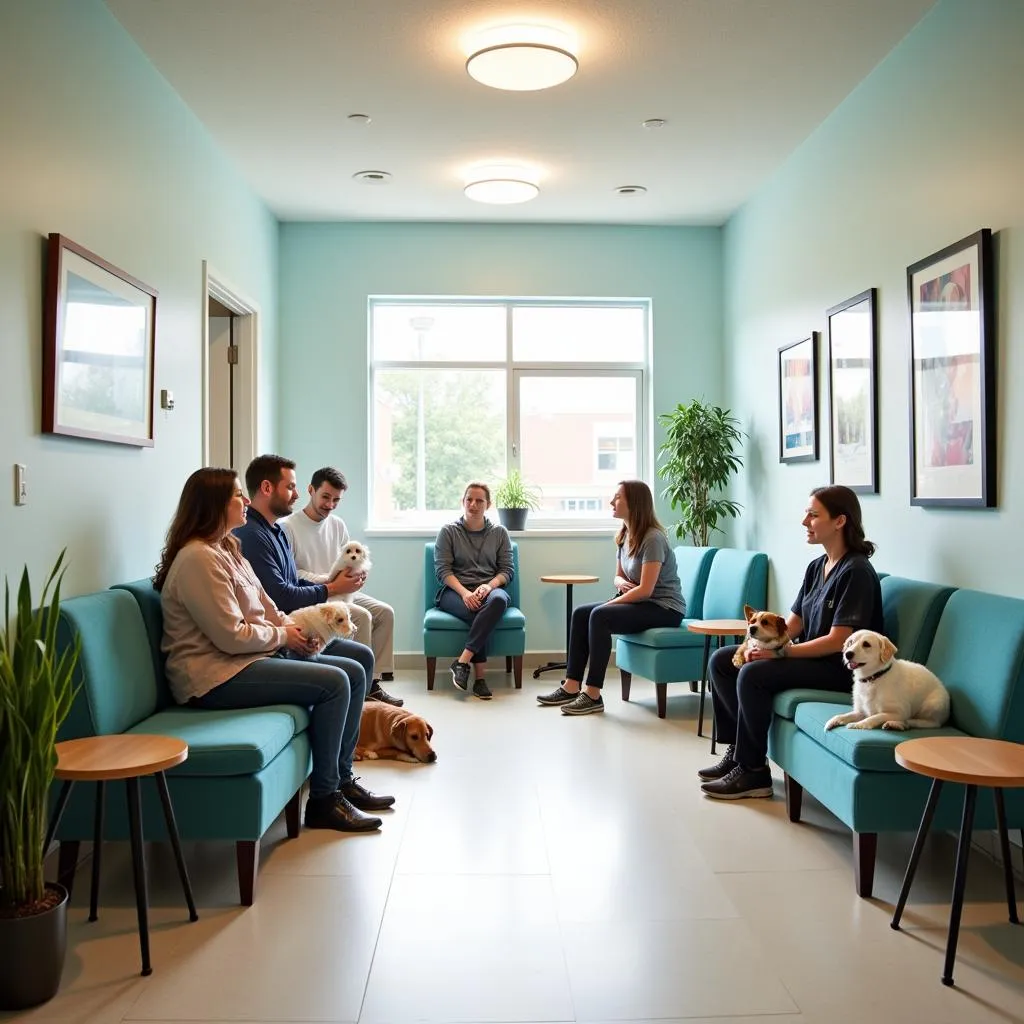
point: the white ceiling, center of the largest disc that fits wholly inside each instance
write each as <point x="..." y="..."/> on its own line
<point x="741" y="84"/>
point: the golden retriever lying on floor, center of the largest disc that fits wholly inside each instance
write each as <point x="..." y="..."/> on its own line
<point x="393" y="734"/>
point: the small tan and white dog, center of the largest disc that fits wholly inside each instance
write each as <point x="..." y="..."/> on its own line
<point x="765" y="632"/>
<point x="889" y="692"/>
<point x="354" y="557"/>
<point x="325" y="621"/>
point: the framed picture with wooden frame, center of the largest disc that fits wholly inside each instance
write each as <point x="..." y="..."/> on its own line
<point x="853" y="392"/>
<point x="99" y="341"/>
<point x="953" y="376"/>
<point x="798" y="400"/>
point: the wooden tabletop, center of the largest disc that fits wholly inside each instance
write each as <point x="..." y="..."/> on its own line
<point x="977" y="762"/>
<point x="570" y="578"/>
<point x="718" y="627"/>
<point x="122" y="756"/>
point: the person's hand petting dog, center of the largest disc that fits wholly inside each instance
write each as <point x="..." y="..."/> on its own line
<point x="346" y="582"/>
<point x="300" y="643"/>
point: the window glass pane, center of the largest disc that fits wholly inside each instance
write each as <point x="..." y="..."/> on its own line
<point x="434" y="431"/>
<point x="578" y="437"/>
<point x="566" y="334"/>
<point x="436" y="333"/>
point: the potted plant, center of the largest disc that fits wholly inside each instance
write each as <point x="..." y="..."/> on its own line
<point x="697" y="459"/>
<point x="513" y="499"/>
<point x="36" y="691"/>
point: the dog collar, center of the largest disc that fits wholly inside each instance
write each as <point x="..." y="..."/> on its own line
<point x="871" y="679"/>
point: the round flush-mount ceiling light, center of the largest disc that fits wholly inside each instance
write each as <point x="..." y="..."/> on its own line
<point x="372" y="177"/>
<point x="630" y="190"/>
<point x="502" y="184"/>
<point x="522" y="58"/>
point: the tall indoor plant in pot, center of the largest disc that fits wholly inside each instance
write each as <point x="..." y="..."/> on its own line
<point x="36" y="691"/>
<point x="514" y="498"/>
<point x="697" y="459"/>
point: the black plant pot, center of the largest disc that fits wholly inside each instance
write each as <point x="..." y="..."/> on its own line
<point x="513" y="518"/>
<point x="33" y="955"/>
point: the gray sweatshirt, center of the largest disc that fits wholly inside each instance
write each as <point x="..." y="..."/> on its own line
<point x="472" y="556"/>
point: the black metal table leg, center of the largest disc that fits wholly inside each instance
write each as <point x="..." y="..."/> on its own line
<point x="552" y="665"/>
<point x="704" y="685"/>
<point x="97" y="845"/>
<point x="139" y="869"/>
<point x="915" y="853"/>
<point x="172" y="831"/>
<point x="58" y="813"/>
<point x="959" y="882"/>
<point x="1004" y="845"/>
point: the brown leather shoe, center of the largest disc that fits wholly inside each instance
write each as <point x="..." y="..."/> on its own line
<point x="362" y="798"/>
<point x="337" y="813"/>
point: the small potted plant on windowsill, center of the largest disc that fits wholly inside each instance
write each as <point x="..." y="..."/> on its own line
<point x="514" y="498"/>
<point x="36" y="691"/>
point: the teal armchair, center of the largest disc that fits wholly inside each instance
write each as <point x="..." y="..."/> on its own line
<point x="444" y="636"/>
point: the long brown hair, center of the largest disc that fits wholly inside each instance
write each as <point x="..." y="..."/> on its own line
<point x="841" y="501"/>
<point x="202" y="510"/>
<point x="642" y="519"/>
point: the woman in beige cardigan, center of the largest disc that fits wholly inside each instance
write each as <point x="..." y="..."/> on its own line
<point x="228" y="646"/>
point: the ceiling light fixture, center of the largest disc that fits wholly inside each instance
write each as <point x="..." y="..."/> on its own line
<point x="372" y="177"/>
<point x="522" y="58"/>
<point x="631" y="190"/>
<point x="501" y="184"/>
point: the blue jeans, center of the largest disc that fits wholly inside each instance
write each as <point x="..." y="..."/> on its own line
<point x="590" y="637"/>
<point x="481" y="623"/>
<point x="332" y="685"/>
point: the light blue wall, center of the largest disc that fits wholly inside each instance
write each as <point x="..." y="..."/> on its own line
<point x="327" y="272"/>
<point x="926" y="150"/>
<point x="95" y="145"/>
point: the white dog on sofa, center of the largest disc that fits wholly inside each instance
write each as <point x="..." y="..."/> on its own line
<point x="889" y="692"/>
<point x="326" y="621"/>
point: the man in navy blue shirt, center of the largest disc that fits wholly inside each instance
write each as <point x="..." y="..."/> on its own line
<point x="270" y="481"/>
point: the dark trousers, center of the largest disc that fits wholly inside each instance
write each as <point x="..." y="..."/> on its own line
<point x="590" y="637"/>
<point x="482" y="623"/>
<point x="743" y="697"/>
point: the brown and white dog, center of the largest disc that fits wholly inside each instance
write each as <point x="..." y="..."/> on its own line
<point x="765" y="632"/>
<point x="393" y="734"/>
<point x="888" y="692"/>
<point x="325" y="621"/>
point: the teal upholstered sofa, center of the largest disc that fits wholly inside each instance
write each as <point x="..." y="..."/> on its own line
<point x="244" y="767"/>
<point x="444" y="636"/>
<point x="974" y="642"/>
<point x="716" y="583"/>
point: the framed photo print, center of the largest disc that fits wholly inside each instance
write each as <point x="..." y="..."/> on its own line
<point x="99" y="333"/>
<point x="852" y="392"/>
<point x="952" y="376"/>
<point x="798" y="401"/>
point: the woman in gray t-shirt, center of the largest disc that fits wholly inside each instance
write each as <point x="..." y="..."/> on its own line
<point x="647" y="594"/>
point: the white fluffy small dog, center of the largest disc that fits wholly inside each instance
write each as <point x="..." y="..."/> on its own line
<point x="325" y="621"/>
<point x="354" y="557"/>
<point x="888" y="691"/>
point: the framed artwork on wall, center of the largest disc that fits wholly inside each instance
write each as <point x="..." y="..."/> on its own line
<point x="99" y="335"/>
<point x="798" y="400"/>
<point x="853" y="392"/>
<point x="952" y="376"/>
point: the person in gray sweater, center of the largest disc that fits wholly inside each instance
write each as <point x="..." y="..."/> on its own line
<point x="473" y="561"/>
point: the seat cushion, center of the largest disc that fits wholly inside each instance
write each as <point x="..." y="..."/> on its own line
<point x="437" y="619"/>
<point x="866" y="749"/>
<point x="665" y="636"/>
<point x="238" y="742"/>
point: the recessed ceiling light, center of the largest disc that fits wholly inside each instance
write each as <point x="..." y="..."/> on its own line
<point x="522" y="58"/>
<point x="631" y="190"/>
<point x="501" y="184"/>
<point x="359" y="118"/>
<point x="372" y="177"/>
<point x="654" y="122"/>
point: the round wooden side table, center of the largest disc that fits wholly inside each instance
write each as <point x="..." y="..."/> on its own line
<point x="568" y="580"/>
<point x="708" y="628"/>
<point x="973" y="762"/>
<point x="127" y="756"/>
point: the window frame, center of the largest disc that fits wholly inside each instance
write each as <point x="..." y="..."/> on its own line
<point x="515" y="372"/>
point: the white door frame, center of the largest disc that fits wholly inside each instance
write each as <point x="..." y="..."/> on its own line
<point x="247" y="336"/>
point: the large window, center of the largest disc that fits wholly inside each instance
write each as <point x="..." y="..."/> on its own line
<point x="469" y="389"/>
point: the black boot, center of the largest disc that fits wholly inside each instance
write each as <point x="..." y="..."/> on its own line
<point x="336" y="812"/>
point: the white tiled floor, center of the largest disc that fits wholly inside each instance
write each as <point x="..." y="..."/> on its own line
<point x="549" y="869"/>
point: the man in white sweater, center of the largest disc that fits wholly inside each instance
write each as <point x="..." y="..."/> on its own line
<point x="317" y="537"/>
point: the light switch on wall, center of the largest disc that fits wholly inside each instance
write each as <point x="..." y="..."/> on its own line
<point x="20" y="489"/>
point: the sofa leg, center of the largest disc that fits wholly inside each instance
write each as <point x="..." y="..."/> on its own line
<point x="661" y="692"/>
<point x="247" y="853"/>
<point x="794" y="797"/>
<point x="292" y="813"/>
<point x="693" y="686"/>
<point x="67" y="861"/>
<point x="865" y="846"/>
<point x="517" y="670"/>
<point x="626" y="679"/>
<point x="431" y="669"/>
<point x="508" y="663"/>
